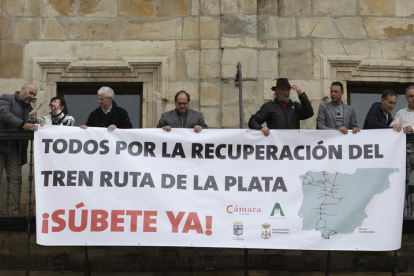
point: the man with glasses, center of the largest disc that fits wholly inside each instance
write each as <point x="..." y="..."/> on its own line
<point x="182" y="116"/>
<point x="14" y="115"/>
<point x="108" y="114"/>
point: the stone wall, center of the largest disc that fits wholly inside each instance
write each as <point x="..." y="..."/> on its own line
<point x="204" y="39"/>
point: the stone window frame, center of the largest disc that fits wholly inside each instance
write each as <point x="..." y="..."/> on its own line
<point x="362" y="68"/>
<point x="151" y="71"/>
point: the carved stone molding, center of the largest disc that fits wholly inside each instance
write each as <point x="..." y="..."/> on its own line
<point x="151" y="71"/>
<point x="361" y="68"/>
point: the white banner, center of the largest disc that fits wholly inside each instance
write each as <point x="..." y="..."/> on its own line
<point x="295" y="189"/>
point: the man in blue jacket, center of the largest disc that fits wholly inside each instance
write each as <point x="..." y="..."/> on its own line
<point x="379" y="115"/>
<point x="14" y="111"/>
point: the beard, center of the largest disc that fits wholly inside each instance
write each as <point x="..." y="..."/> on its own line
<point x="285" y="99"/>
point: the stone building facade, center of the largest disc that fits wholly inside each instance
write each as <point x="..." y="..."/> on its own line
<point x="195" y="45"/>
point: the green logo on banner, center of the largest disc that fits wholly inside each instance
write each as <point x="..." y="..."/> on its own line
<point x="277" y="210"/>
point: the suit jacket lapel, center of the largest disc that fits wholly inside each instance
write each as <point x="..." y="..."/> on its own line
<point x="332" y="112"/>
<point x="175" y="118"/>
<point x="190" y="116"/>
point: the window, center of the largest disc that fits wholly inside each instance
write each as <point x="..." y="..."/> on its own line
<point x="81" y="99"/>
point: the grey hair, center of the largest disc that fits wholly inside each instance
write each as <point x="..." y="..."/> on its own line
<point x="109" y="93"/>
<point x="409" y="88"/>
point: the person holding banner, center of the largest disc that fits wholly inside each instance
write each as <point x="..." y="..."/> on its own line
<point x="14" y="112"/>
<point x="336" y="114"/>
<point x="108" y="114"/>
<point x="282" y="113"/>
<point x="57" y="116"/>
<point x="182" y="116"/>
<point x="379" y="115"/>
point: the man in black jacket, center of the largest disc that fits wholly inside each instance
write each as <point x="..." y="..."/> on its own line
<point x="282" y="113"/>
<point x="108" y="114"/>
<point x="379" y="115"/>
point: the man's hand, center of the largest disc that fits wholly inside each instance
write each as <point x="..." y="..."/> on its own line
<point x="408" y="129"/>
<point x="33" y="113"/>
<point x="168" y="128"/>
<point x="111" y="128"/>
<point x="30" y="127"/>
<point x="397" y="127"/>
<point x="356" y="130"/>
<point x="343" y="129"/>
<point x="266" y="131"/>
<point x="197" y="128"/>
<point x="83" y="126"/>
<point x="297" y="88"/>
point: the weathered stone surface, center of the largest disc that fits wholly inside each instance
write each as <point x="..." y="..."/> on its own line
<point x="230" y="117"/>
<point x="295" y="44"/>
<point x="270" y="43"/>
<point x="11" y="59"/>
<point x="192" y="60"/>
<point x="322" y="27"/>
<point x="268" y="64"/>
<point x="83" y="28"/>
<point x="58" y="7"/>
<point x="229" y="42"/>
<point x="296" y="7"/>
<point x="174" y="8"/>
<point x="268" y="93"/>
<point x="190" y="87"/>
<point x="21" y="7"/>
<point x="210" y="93"/>
<point x="212" y="116"/>
<point x="153" y="29"/>
<point x="6" y="27"/>
<point x="229" y="6"/>
<point x="247" y="57"/>
<point x="267" y="7"/>
<point x="389" y="27"/>
<point x="52" y="30"/>
<point x="141" y="8"/>
<point x="351" y="27"/>
<point x="98" y="8"/>
<point x="343" y="7"/>
<point x="28" y="28"/>
<point x="404" y="8"/>
<point x="296" y="64"/>
<point x="210" y="7"/>
<point x="377" y="7"/>
<point x="180" y="65"/>
<point x="210" y="63"/>
<point x="282" y="27"/>
<point x="210" y="44"/>
<point x="248" y="6"/>
<point x="188" y="44"/>
<point x="230" y="93"/>
<point x="239" y="25"/>
<point x="209" y="27"/>
<point x="195" y="7"/>
<point x="191" y="28"/>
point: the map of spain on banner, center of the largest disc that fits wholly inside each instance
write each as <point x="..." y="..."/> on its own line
<point x="295" y="189"/>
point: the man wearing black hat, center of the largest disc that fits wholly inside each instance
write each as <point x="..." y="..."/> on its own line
<point x="282" y="113"/>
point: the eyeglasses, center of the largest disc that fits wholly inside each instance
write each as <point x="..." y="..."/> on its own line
<point x="182" y="103"/>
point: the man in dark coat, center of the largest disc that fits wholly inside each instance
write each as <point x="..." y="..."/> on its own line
<point x="182" y="116"/>
<point x="108" y="114"/>
<point x="282" y="113"/>
<point x="379" y="115"/>
<point x="14" y="110"/>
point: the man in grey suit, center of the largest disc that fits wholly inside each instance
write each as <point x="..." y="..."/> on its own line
<point x="336" y="114"/>
<point x="182" y="116"/>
